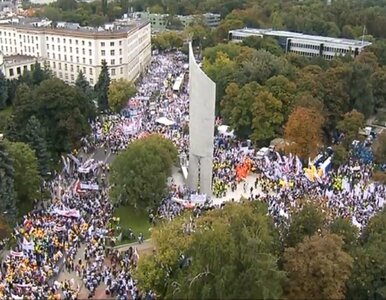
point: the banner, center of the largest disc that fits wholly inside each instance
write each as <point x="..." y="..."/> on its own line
<point x="66" y="212"/>
<point x="28" y="246"/>
<point x="185" y="203"/>
<point x="59" y="228"/>
<point x="16" y="254"/>
<point x="198" y="198"/>
<point x="89" y="186"/>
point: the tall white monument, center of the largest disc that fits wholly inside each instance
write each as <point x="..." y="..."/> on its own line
<point x="202" y="101"/>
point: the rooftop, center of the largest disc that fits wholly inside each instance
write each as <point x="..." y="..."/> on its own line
<point x="63" y="27"/>
<point x="11" y="59"/>
<point x="297" y="35"/>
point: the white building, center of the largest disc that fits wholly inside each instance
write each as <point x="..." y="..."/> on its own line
<point x="68" y="48"/>
<point x="304" y="44"/>
<point x="14" y="65"/>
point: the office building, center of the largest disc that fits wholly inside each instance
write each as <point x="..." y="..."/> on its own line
<point x="160" y="22"/>
<point x="67" y="48"/>
<point x="304" y="44"/>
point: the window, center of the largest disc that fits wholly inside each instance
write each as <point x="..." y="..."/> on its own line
<point x="54" y="64"/>
<point x="11" y="72"/>
<point x="120" y="43"/>
<point x="84" y="60"/>
<point x="90" y="52"/>
<point x="112" y="72"/>
<point x="65" y="67"/>
<point x="103" y="52"/>
<point x="83" y="51"/>
<point x="48" y="46"/>
<point x="77" y="69"/>
<point x="83" y="43"/>
<point x="112" y="44"/>
<point x="91" y="81"/>
<point x="120" y="61"/>
<point x="64" y="40"/>
<point x="77" y="50"/>
<point x="71" y="58"/>
<point x="59" y="56"/>
<point x="113" y="62"/>
<point x="60" y="66"/>
<point x="77" y="59"/>
<point x="18" y="71"/>
<point x="65" y="57"/>
<point x="70" y="41"/>
<point x="70" y="49"/>
<point x="84" y="70"/>
<point x="58" y="48"/>
<point x="90" y="61"/>
<point x="112" y="52"/>
<point x="89" y="44"/>
<point x="72" y="68"/>
<point x="90" y="71"/>
<point x="72" y="77"/>
<point x="102" y="44"/>
<point x="120" y="51"/>
<point x="76" y="42"/>
<point x="53" y="55"/>
<point x="121" y="70"/>
<point x="64" y="48"/>
<point x="66" y="76"/>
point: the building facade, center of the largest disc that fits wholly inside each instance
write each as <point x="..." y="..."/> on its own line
<point x="304" y="44"/>
<point x="202" y="102"/>
<point x="13" y="66"/>
<point x="159" y="22"/>
<point x="68" y="48"/>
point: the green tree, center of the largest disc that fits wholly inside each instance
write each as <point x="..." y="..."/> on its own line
<point x="304" y="223"/>
<point x="236" y="107"/>
<point x="64" y="112"/>
<point x="222" y="71"/>
<point x="267" y="116"/>
<point x="120" y="91"/>
<point x="102" y="87"/>
<point x="7" y="191"/>
<point x="317" y="268"/>
<point x="26" y="177"/>
<point x="379" y="148"/>
<point x="350" y="125"/>
<point x="138" y="175"/>
<point x="340" y="155"/>
<point x="35" y="137"/>
<point x="369" y="272"/>
<point x="261" y="66"/>
<point x="284" y="90"/>
<point x="23" y="107"/>
<point x="360" y="88"/>
<point x="347" y="231"/>
<point x="3" y="91"/>
<point x="83" y="84"/>
<point x="232" y="254"/>
<point x="267" y="43"/>
<point x="38" y="74"/>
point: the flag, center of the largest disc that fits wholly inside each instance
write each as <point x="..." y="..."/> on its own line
<point x="299" y="166"/>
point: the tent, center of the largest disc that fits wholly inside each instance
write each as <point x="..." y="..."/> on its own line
<point x="225" y="130"/>
<point x="165" y="121"/>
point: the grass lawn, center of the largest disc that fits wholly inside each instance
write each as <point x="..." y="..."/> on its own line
<point x="136" y="220"/>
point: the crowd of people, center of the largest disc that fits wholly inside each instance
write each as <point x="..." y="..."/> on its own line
<point x="50" y="237"/>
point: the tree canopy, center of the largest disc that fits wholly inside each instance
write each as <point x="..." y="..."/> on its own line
<point x="317" y="267"/>
<point x="303" y="132"/>
<point x="26" y="173"/>
<point x="139" y="174"/>
<point x="102" y="87"/>
<point x="231" y="254"/>
<point x="120" y="91"/>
